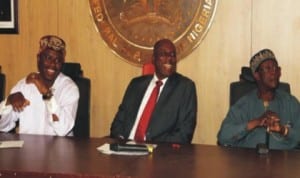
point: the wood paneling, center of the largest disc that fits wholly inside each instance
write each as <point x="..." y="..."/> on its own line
<point x="240" y="28"/>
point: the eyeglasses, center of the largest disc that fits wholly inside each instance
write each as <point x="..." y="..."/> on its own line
<point x="268" y="69"/>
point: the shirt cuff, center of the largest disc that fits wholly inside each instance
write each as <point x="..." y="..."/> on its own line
<point x="5" y="109"/>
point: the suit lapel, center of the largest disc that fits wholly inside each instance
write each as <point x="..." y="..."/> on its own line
<point x="169" y="86"/>
<point x="141" y="90"/>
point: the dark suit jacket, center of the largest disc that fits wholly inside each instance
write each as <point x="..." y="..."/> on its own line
<point x="174" y="117"/>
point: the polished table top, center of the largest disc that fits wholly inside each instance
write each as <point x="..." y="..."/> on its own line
<point x="47" y="156"/>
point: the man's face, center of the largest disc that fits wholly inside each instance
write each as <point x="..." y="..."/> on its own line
<point x="165" y="60"/>
<point x="50" y="64"/>
<point x="268" y="75"/>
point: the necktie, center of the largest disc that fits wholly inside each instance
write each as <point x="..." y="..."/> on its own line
<point x="145" y="118"/>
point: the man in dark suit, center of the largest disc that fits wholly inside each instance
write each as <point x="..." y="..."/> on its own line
<point x="173" y="119"/>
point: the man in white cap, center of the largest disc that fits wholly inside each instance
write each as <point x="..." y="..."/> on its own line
<point x="44" y="102"/>
<point x="265" y="115"/>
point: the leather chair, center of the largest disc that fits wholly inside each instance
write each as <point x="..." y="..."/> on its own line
<point x="148" y="69"/>
<point x="247" y="84"/>
<point x="82" y="122"/>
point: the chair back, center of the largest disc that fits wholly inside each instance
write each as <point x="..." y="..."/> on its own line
<point x="148" y="69"/>
<point x="2" y="85"/>
<point x="82" y="121"/>
<point x="247" y="84"/>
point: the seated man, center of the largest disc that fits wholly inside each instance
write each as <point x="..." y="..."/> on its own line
<point x="44" y="102"/>
<point x="173" y="118"/>
<point x="266" y="115"/>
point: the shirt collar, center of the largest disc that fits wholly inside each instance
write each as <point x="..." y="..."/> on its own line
<point x="155" y="78"/>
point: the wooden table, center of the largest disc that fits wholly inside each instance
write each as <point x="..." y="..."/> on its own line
<point x="47" y="156"/>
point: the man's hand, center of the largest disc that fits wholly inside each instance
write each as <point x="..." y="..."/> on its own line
<point x="18" y="101"/>
<point x="35" y="78"/>
<point x="269" y="120"/>
<point x="258" y="122"/>
<point x="273" y="122"/>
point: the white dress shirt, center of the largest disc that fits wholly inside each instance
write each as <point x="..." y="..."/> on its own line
<point x="148" y="92"/>
<point x="36" y="118"/>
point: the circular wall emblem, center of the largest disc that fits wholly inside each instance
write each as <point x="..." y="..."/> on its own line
<point x="131" y="27"/>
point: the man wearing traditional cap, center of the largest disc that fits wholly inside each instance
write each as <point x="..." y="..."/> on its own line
<point x="44" y="102"/>
<point x="266" y="115"/>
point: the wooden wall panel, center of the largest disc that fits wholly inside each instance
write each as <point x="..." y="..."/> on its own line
<point x="108" y="73"/>
<point x="216" y="63"/>
<point x="240" y="28"/>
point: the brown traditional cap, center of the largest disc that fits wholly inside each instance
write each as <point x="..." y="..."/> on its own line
<point x="52" y="42"/>
<point x="260" y="57"/>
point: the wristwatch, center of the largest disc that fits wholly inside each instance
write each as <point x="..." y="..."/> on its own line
<point x="48" y="95"/>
